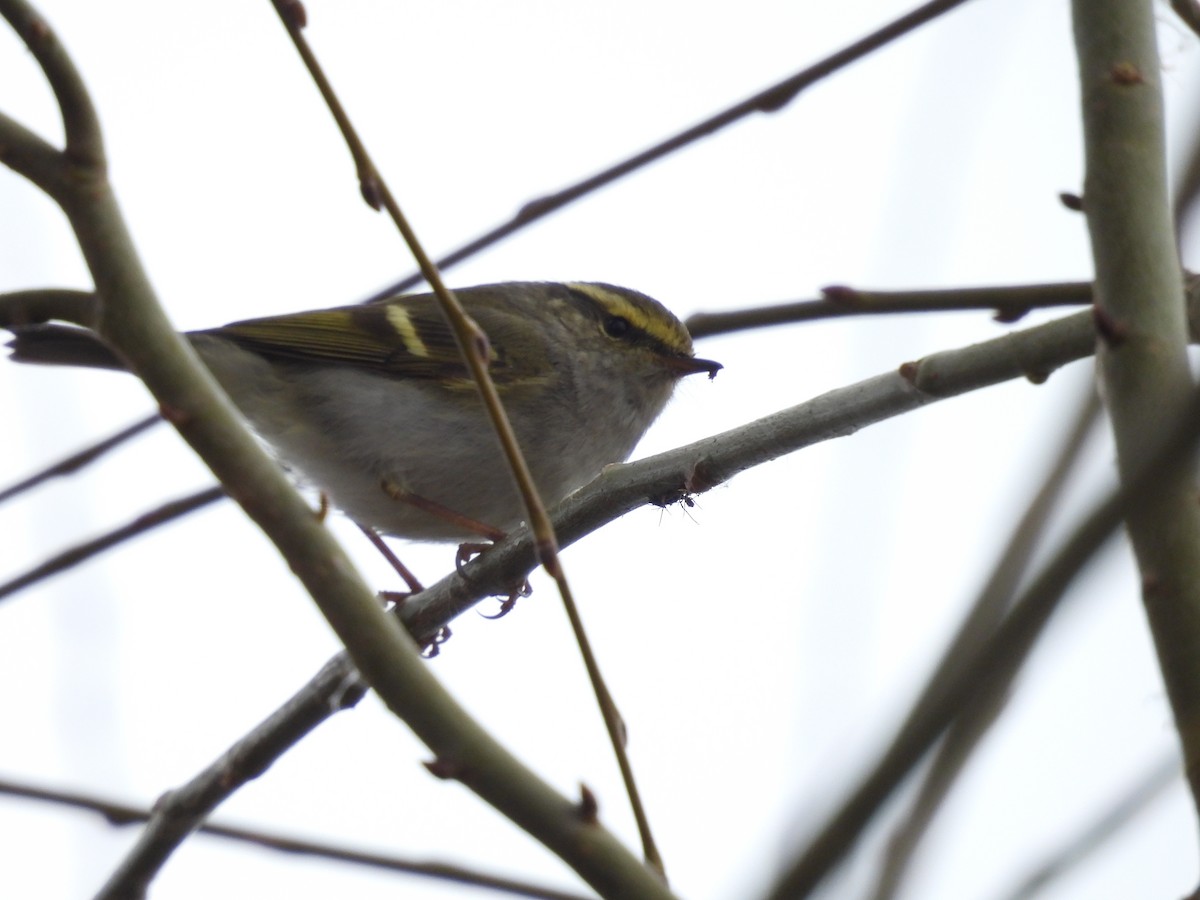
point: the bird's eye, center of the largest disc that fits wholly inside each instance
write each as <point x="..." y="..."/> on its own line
<point x="616" y="326"/>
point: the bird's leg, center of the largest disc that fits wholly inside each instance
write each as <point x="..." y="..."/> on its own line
<point x="414" y="586"/>
<point x="466" y="551"/>
<point x="466" y="523"/>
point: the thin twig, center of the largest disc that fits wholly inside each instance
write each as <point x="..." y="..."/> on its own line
<point x="118" y="813"/>
<point x="77" y="461"/>
<point x="770" y="100"/>
<point x="84" y="551"/>
<point x="1009" y="304"/>
<point x="181" y="811"/>
<point x="472" y="344"/>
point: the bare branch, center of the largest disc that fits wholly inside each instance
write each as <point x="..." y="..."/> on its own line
<point x="123" y="813"/>
<point x="181" y="811"/>
<point x="77" y="461"/>
<point x="1009" y="304"/>
<point x="148" y="521"/>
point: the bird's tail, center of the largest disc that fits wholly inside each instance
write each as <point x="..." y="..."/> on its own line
<point x="61" y="345"/>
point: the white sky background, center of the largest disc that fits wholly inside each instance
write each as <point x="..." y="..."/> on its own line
<point x="759" y="644"/>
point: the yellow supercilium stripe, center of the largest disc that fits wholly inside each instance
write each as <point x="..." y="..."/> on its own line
<point x="657" y="325"/>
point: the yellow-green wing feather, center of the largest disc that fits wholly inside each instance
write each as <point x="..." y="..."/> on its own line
<point x="404" y="338"/>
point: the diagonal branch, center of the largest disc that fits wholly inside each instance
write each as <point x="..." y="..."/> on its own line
<point x="179" y="812"/>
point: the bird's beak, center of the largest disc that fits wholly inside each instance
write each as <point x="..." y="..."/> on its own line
<point x="691" y="365"/>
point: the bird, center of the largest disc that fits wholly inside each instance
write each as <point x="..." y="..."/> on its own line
<point x="372" y="405"/>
